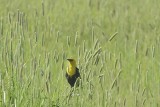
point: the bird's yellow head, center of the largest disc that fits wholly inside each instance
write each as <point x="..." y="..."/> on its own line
<point x="72" y="62"/>
<point x="71" y="69"/>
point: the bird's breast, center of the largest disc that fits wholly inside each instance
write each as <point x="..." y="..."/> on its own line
<point x="71" y="70"/>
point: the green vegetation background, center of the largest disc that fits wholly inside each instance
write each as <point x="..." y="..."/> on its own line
<point x="116" y="44"/>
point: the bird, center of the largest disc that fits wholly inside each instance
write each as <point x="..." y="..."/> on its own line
<point x="72" y="74"/>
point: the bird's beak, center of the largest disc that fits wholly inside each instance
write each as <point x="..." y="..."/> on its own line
<point x="69" y="60"/>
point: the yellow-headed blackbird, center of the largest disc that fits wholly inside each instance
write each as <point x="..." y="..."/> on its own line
<point x="72" y="73"/>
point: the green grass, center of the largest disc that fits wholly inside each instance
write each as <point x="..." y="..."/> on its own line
<point x="116" y="45"/>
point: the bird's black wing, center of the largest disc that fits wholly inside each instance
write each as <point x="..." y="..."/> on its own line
<point x="77" y="73"/>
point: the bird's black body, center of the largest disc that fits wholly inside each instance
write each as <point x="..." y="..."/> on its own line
<point x="72" y="79"/>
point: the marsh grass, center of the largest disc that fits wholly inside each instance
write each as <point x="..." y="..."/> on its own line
<point x="115" y="43"/>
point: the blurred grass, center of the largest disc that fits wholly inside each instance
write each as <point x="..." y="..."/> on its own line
<point x="36" y="37"/>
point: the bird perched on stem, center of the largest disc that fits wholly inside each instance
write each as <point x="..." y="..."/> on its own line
<point x="72" y="73"/>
